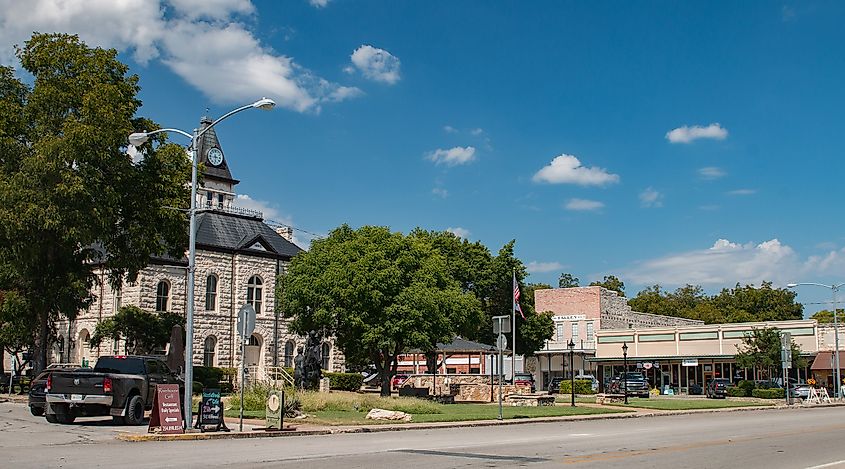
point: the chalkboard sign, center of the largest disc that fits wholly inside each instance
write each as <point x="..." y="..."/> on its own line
<point x="210" y="412"/>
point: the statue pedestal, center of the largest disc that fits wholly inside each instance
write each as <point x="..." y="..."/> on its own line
<point x="324" y="385"/>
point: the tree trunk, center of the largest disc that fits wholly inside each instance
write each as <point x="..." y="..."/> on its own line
<point x="42" y="342"/>
<point x="2" y="360"/>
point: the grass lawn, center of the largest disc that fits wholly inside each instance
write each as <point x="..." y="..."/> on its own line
<point x="687" y="404"/>
<point x="450" y="413"/>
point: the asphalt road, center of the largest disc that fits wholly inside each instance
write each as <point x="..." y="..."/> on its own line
<point x="799" y="438"/>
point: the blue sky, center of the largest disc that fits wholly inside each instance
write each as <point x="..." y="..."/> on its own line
<point x="662" y="142"/>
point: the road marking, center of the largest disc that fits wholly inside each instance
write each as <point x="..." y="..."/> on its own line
<point x="580" y="434"/>
<point x="830" y="464"/>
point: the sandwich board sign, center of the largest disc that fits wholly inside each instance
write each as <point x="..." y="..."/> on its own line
<point x="275" y="410"/>
<point x="211" y="411"/>
<point x="167" y="414"/>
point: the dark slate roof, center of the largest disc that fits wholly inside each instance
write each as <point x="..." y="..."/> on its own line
<point x="234" y="232"/>
<point x="206" y="142"/>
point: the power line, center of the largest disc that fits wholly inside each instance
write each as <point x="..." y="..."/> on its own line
<point x="275" y="224"/>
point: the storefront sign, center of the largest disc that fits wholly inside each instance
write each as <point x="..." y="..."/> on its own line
<point x="647" y="365"/>
<point x="167" y="414"/>
<point x="690" y="362"/>
<point x="569" y="317"/>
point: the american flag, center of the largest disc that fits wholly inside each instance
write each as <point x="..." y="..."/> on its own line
<point x="516" y="296"/>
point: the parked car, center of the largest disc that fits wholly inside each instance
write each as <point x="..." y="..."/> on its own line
<point x="718" y="388"/>
<point x="120" y="386"/>
<point x="36" y="400"/>
<point x="801" y="390"/>
<point x="593" y="380"/>
<point x="397" y="381"/>
<point x="524" y="379"/>
<point x="554" y="384"/>
<point x="636" y="384"/>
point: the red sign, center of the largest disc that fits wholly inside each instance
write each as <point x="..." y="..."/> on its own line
<point x="167" y="413"/>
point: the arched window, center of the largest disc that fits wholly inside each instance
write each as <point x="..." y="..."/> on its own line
<point x="289" y="347"/>
<point x="162" y="296"/>
<point x="209" y="350"/>
<point x="325" y="352"/>
<point x="253" y="341"/>
<point x="255" y="293"/>
<point x="118" y="300"/>
<point x="211" y="293"/>
<point x="60" y="348"/>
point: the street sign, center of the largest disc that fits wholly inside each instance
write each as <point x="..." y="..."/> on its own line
<point x="501" y="342"/>
<point x="246" y="320"/>
<point x="166" y="416"/>
<point x="501" y="324"/>
<point x="786" y="340"/>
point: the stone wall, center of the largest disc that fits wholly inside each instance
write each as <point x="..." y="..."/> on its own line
<point x="827" y="338"/>
<point x="465" y="388"/>
<point x="616" y="314"/>
<point x="233" y="272"/>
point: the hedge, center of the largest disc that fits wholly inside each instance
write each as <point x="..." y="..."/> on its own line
<point x="582" y="386"/>
<point x="747" y="386"/>
<point x="213" y="377"/>
<point x="345" y="381"/>
<point x="736" y="391"/>
<point x="772" y="393"/>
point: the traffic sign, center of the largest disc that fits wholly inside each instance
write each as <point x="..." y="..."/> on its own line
<point x="246" y="321"/>
<point x="501" y="324"/>
<point x="501" y="342"/>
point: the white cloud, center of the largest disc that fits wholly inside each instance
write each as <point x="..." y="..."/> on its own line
<point x="449" y="129"/>
<point x="459" y="232"/>
<point x="583" y="205"/>
<point x="318" y="3"/>
<point x="535" y="267"/>
<point x="651" y="198"/>
<point x="376" y="64"/>
<point x="203" y="42"/>
<point x="711" y="172"/>
<point x="743" y="192"/>
<point x="687" y="134"/>
<point x="440" y="192"/>
<point x="476" y="131"/>
<point x="272" y="214"/>
<point x="453" y="156"/>
<point x="566" y="169"/>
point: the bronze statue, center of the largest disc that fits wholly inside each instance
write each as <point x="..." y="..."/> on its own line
<point x="307" y="371"/>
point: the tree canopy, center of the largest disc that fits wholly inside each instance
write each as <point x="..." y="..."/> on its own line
<point x="611" y="282"/>
<point x="739" y="304"/>
<point x="825" y="316"/>
<point x="143" y="331"/>
<point x="761" y="349"/>
<point x="70" y="197"/>
<point x="567" y="280"/>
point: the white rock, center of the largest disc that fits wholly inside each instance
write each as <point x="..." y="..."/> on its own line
<point x="381" y="414"/>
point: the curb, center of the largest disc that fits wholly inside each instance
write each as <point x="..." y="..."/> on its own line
<point x="473" y="423"/>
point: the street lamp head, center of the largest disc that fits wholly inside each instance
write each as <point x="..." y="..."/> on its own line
<point x="264" y="103"/>
<point x="791" y="285"/>
<point x="138" y="138"/>
<point x="570" y="345"/>
<point x="624" y="347"/>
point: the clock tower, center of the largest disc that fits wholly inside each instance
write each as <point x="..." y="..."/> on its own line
<point x="218" y="186"/>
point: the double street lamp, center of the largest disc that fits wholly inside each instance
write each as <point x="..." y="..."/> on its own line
<point x="834" y="289"/>
<point x="140" y="138"/>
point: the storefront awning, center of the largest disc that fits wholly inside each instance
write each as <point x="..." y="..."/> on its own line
<point x="824" y="361"/>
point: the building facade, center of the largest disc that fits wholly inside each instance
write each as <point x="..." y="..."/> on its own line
<point x="238" y="259"/>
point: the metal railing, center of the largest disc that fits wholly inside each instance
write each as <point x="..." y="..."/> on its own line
<point x="273" y="376"/>
<point x="233" y="209"/>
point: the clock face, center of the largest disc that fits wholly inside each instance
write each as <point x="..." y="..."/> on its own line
<point x="215" y="156"/>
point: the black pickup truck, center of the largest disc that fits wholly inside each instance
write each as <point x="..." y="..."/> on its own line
<point x="120" y="386"/>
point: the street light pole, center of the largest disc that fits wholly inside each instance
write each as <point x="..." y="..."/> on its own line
<point x="625" y="370"/>
<point x="571" y="347"/>
<point x="834" y="288"/>
<point x="138" y="138"/>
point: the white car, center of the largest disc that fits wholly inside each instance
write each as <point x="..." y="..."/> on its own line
<point x="592" y="379"/>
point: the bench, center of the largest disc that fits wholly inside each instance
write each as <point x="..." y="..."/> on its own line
<point x="606" y="398"/>
<point x="530" y="400"/>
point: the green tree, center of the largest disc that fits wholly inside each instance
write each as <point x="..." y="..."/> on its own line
<point x="761" y="350"/>
<point x="567" y="280"/>
<point x="16" y="325"/>
<point x="764" y="303"/>
<point x="611" y="282"/>
<point x="143" y="331"/>
<point x="825" y="316"/>
<point x="70" y="197"/>
<point x="379" y="293"/>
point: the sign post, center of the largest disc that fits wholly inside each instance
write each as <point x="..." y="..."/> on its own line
<point x="501" y="326"/>
<point x="786" y="361"/>
<point x="166" y="416"/>
<point x="246" y="325"/>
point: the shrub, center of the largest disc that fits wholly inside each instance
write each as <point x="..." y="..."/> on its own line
<point x="214" y="377"/>
<point x="746" y="385"/>
<point x="582" y="386"/>
<point x="736" y="391"/>
<point x="771" y="393"/>
<point x="255" y="397"/>
<point x="345" y="381"/>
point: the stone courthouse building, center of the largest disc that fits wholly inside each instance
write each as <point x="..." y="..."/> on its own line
<point x="238" y="258"/>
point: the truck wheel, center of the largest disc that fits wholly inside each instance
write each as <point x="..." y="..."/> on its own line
<point x="52" y="418"/>
<point x="118" y="420"/>
<point x="36" y="411"/>
<point x="65" y="419"/>
<point x="134" y="411"/>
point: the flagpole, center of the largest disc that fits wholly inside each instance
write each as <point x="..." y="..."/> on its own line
<point x="513" y="319"/>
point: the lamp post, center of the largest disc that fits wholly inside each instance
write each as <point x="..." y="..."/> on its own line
<point x="625" y="370"/>
<point x="571" y="346"/>
<point x="139" y="138"/>
<point x="834" y="289"/>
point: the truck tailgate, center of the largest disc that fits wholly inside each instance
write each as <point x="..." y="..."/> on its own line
<point x="78" y="382"/>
